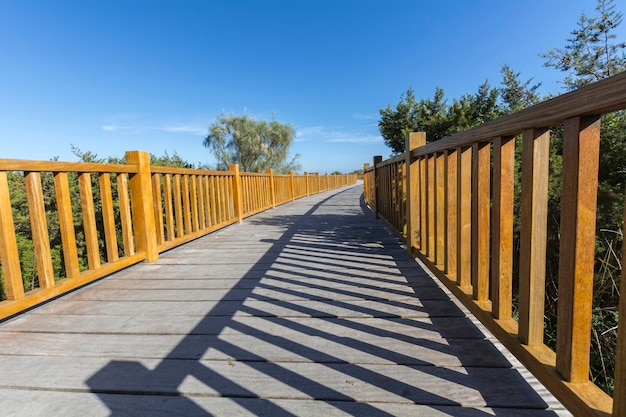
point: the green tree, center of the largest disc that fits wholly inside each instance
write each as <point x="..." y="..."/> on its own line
<point x="434" y="116"/>
<point x="254" y="145"/>
<point x="592" y="53"/>
<point x="515" y="94"/>
<point x="396" y="123"/>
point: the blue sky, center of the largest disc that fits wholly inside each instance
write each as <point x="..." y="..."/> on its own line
<point x="110" y="76"/>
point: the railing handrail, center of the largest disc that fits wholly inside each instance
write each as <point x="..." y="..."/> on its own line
<point x="438" y="196"/>
<point x="605" y="96"/>
<point x="155" y="209"/>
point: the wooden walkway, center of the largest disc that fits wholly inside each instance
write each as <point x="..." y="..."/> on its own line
<point x="311" y="309"/>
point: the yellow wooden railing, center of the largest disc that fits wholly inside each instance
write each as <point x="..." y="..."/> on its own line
<point x="453" y="201"/>
<point x="124" y="214"/>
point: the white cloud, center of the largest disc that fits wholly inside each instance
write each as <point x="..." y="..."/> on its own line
<point x="192" y="129"/>
<point x="321" y="134"/>
<point x="135" y="128"/>
<point x="361" y="116"/>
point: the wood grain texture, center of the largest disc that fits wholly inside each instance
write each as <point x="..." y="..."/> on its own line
<point x="201" y="204"/>
<point x="451" y="212"/>
<point x="188" y="228"/>
<point x="9" y="255"/>
<point x="334" y="318"/>
<point x="169" y="207"/>
<point x="178" y="206"/>
<point x="193" y="196"/>
<point x="66" y="224"/>
<point x="413" y="213"/>
<point x="142" y="209"/>
<point x="128" y="238"/>
<point x="581" y="152"/>
<point x="108" y="217"/>
<point x="432" y="208"/>
<point x="157" y="204"/>
<point x="534" y="217"/>
<point x="502" y="227"/>
<point x="464" y="204"/>
<point x="39" y="228"/>
<point x="423" y="205"/>
<point x="440" y="208"/>
<point x="481" y="205"/>
<point x="89" y="220"/>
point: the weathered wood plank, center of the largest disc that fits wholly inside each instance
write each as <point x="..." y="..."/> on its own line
<point x="494" y="387"/>
<point x="18" y="403"/>
<point x="316" y="309"/>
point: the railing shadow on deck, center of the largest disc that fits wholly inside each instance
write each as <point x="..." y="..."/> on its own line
<point x="456" y="201"/>
<point x="336" y="237"/>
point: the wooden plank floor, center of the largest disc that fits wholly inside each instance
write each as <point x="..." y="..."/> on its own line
<point x="311" y="309"/>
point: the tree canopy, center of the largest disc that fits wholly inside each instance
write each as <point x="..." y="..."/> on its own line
<point x="254" y="145"/>
<point x="592" y="53"/>
<point x="439" y="119"/>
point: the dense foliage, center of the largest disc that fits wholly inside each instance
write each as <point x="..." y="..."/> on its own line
<point x="592" y="53"/>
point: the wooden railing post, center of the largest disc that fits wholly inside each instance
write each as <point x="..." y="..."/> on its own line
<point x="413" y="141"/>
<point x="142" y="205"/>
<point x="365" y="183"/>
<point x="292" y="185"/>
<point x="9" y="255"/>
<point x="581" y="152"/>
<point x="237" y="195"/>
<point x="272" y="187"/>
<point x="377" y="160"/>
<point x="481" y="205"/>
<point x="502" y="226"/>
<point x="534" y="219"/>
<point x="306" y="176"/>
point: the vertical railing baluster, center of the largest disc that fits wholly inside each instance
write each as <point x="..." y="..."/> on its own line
<point x="186" y="205"/>
<point x="464" y="224"/>
<point x="9" y="255"/>
<point x="108" y="217"/>
<point x="534" y="217"/>
<point x="39" y="227"/>
<point x="502" y="226"/>
<point x="169" y="208"/>
<point x="193" y="197"/>
<point x="581" y="153"/>
<point x="452" y="214"/>
<point x="66" y="224"/>
<point x="201" y="206"/>
<point x="178" y="207"/>
<point x="480" y="220"/>
<point x="431" y="213"/>
<point x="158" y="208"/>
<point x="413" y="214"/>
<point x="128" y="239"/>
<point x="423" y="180"/>
<point x="89" y="220"/>
<point x="440" y="208"/>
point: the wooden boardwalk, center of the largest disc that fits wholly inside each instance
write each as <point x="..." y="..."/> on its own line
<point x="311" y="309"/>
